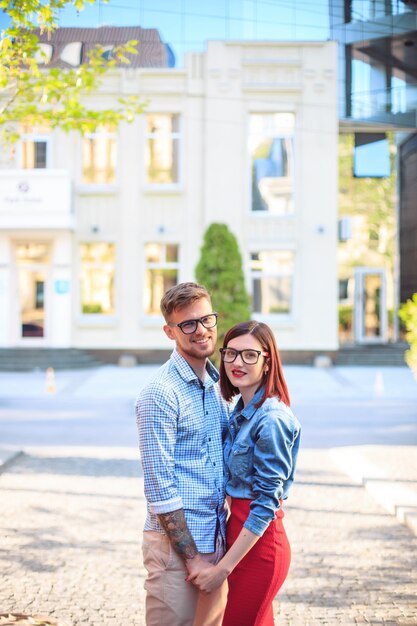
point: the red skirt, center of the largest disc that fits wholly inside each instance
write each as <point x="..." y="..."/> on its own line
<point x="255" y="581"/>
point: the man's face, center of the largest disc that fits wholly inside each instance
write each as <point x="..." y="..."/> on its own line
<point x="200" y="344"/>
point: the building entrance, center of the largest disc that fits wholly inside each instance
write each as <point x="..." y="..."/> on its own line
<point x="32" y="264"/>
<point x="370" y="320"/>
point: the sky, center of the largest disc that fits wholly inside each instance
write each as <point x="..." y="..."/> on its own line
<point x="186" y="25"/>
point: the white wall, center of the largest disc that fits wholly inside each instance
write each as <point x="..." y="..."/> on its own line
<point x="214" y="95"/>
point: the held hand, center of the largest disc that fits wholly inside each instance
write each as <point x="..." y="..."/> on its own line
<point x="195" y="566"/>
<point x="210" y="578"/>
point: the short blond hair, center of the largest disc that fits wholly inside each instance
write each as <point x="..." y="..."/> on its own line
<point x="180" y="296"/>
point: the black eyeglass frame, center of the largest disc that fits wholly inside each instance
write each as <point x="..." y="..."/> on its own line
<point x="196" y="322"/>
<point x="240" y="353"/>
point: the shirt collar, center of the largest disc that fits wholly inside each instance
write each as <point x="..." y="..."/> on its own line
<point x="188" y="374"/>
<point x="249" y="411"/>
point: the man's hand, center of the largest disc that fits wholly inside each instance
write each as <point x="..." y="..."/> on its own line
<point x="209" y="578"/>
<point x="195" y="566"/>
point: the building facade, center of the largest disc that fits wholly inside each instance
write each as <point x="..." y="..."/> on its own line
<point x="94" y="229"/>
<point x="377" y="76"/>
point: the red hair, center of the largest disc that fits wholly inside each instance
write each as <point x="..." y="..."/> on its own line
<point x="274" y="380"/>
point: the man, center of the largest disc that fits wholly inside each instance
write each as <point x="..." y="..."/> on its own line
<point x="180" y="417"/>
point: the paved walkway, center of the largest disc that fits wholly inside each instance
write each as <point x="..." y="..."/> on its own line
<point x="71" y="517"/>
<point x="71" y="525"/>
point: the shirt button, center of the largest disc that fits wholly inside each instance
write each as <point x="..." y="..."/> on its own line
<point x="206" y="412"/>
<point x="214" y="462"/>
<point x="209" y="438"/>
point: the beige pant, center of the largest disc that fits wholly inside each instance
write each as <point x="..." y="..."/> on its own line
<point x="170" y="600"/>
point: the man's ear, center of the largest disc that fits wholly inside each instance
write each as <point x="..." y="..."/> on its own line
<point x="169" y="332"/>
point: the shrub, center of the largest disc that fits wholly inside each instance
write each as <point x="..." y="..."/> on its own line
<point x="94" y="307"/>
<point x="408" y="314"/>
<point x="220" y="271"/>
<point x="345" y="316"/>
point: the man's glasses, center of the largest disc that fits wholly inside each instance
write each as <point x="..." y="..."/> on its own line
<point x="250" y="357"/>
<point x="190" y="326"/>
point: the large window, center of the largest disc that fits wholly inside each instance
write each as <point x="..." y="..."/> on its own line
<point x="34" y="148"/>
<point x="365" y="10"/>
<point x="99" y="151"/>
<point x="161" y="273"/>
<point x="162" y="148"/>
<point x="97" y="278"/>
<point x="272" y="162"/>
<point x="272" y="274"/>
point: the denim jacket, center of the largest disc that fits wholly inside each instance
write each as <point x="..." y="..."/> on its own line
<point x="260" y="453"/>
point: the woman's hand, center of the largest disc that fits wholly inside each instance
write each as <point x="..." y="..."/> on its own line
<point x="210" y="578"/>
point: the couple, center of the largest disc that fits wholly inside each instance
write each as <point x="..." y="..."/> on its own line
<point x="193" y="454"/>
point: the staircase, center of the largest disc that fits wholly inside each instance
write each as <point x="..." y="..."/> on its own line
<point x="386" y="355"/>
<point x="28" y="359"/>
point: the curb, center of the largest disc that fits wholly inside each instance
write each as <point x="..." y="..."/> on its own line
<point x="378" y="484"/>
<point x="7" y="457"/>
<point x="406" y="513"/>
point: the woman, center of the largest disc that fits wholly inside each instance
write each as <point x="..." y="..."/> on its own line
<point x="260" y="454"/>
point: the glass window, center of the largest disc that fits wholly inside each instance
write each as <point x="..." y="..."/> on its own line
<point x="99" y="151"/>
<point x="97" y="278"/>
<point x="161" y="273"/>
<point x="272" y="273"/>
<point x="343" y="288"/>
<point x="33" y="154"/>
<point x="272" y="162"/>
<point x="35" y="252"/>
<point x="364" y="10"/>
<point x="162" y="148"/>
<point x="34" y="147"/>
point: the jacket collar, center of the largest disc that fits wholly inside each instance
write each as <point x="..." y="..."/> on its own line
<point x="249" y="411"/>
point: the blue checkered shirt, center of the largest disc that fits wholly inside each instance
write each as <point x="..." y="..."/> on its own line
<point x="180" y="422"/>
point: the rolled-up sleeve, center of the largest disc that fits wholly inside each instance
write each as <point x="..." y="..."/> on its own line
<point x="272" y="467"/>
<point x="157" y="421"/>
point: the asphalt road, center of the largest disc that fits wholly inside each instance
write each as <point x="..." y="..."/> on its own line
<point x="71" y="421"/>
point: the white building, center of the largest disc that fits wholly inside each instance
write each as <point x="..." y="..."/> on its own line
<point x="94" y="229"/>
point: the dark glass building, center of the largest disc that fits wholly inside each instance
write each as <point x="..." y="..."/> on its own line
<point x="378" y="92"/>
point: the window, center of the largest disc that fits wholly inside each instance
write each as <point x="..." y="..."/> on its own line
<point x="161" y="273"/>
<point x="99" y="157"/>
<point x="272" y="162"/>
<point x="343" y="288"/>
<point x="97" y="278"/>
<point x="162" y="148"/>
<point x="34" y="148"/>
<point x="72" y="53"/>
<point x="272" y="274"/>
<point x="43" y="55"/>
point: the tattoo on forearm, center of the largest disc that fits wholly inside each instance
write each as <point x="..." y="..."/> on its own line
<point x="175" y="526"/>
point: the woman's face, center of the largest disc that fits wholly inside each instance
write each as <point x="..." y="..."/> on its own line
<point x="246" y="377"/>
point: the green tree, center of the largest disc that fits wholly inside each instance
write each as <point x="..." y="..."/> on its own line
<point x="35" y="94"/>
<point x="374" y="200"/>
<point x="220" y="271"/>
<point x="408" y="314"/>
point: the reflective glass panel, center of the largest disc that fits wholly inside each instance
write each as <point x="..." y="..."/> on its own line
<point x="272" y="162"/>
<point x="97" y="278"/>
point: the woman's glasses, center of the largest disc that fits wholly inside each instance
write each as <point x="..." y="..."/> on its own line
<point x="250" y="357"/>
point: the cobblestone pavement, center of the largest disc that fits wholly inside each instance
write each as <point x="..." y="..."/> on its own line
<point x="71" y="523"/>
<point x="352" y="562"/>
